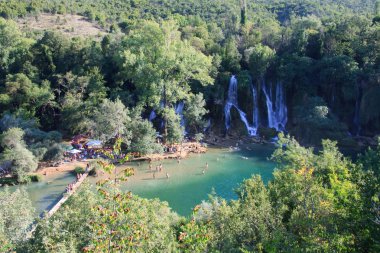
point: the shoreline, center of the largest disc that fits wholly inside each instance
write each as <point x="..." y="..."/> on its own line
<point x="182" y="151"/>
<point x="64" y="167"/>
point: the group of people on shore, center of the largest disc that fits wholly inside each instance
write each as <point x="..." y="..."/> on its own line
<point x="70" y="187"/>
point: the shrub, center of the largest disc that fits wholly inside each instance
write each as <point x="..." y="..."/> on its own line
<point x="35" y="178"/>
<point x="93" y="172"/>
<point x="78" y="170"/>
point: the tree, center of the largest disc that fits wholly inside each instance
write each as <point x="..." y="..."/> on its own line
<point x="175" y="130"/>
<point x="12" y="47"/>
<point x="248" y="223"/>
<point x="316" y="121"/>
<point x="22" y="160"/>
<point x="259" y="58"/>
<point x="16" y="216"/>
<point x="313" y="192"/>
<point x="143" y="134"/>
<point x="69" y="229"/>
<point x="160" y="64"/>
<point x="231" y="57"/>
<point x="110" y="121"/>
<point x="194" y="112"/>
<point x="21" y="93"/>
<point x="54" y="153"/>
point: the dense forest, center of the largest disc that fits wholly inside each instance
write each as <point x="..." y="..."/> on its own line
<point x="314" y="64"/>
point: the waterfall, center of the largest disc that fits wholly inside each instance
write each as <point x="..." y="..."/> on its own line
<point x="277" y="110"/>
<point x="152" y="115"/>
<point x="357" y="110"/>
<point x="255" y="118"/>
<point x="207" y="125"/>
<point x="179" y="111"/>
<point x="232" y="101"/>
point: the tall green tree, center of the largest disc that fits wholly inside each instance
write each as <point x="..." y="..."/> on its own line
<point x="22" y="161"/>
<point x="16" y="216"/>
<point x="110" y="120"/>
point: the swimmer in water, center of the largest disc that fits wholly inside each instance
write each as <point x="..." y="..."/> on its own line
<point x="203" y="172"/>
<point x="206" y="165"/>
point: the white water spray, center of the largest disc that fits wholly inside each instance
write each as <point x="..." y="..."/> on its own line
<point x="277" y="110"/>
<point x="232" y="101"/>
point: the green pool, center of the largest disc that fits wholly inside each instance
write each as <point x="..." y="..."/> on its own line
<point x="186" y="187"/>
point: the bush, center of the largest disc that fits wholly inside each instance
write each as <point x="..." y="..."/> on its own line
<point x="35" y="178"/>
<point x="8" y="181"/>
<point x="78" y="170"/>
<point x="54" y="153"/>
<point x="93" y="172"/>
<point x="94" y="167"/>
<point x="267" y="133"/>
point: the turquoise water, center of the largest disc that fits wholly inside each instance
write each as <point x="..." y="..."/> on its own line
<point x="187" y="185"/>
<point x="45" y="194"/>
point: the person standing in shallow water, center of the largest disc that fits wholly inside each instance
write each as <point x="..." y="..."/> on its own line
<point x="167" y="175"/>
<point x="206" y="165"/>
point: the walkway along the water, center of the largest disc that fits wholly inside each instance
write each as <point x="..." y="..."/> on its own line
<point x="63" y="199"/>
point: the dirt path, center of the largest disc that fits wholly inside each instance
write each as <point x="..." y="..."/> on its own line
<point x="66" y="166"/>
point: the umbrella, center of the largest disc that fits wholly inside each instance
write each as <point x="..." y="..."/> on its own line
<point x="74" y="151"/>
<point x="94" y="143"/>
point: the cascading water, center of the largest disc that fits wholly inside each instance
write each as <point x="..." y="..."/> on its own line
<point x="256" y="107"/>
<point x="277" y="110"/>
<point x="179" y="111"/>
<point x="152" y="115"/>
<point x="232" y="101"/>
<point x="207" y="125"/>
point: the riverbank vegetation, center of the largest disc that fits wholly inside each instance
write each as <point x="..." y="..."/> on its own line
<point x="316" y="201"/>
<point x="161" y="68"/>
<point x="156" y="55"/>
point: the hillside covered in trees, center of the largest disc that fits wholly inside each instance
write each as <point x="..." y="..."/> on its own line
<point x="324" y="53"/>
<point x="217" y="68"/>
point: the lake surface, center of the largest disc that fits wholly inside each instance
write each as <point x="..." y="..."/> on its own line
<point x="186" y="187"/>
<point x="45" y="194"/>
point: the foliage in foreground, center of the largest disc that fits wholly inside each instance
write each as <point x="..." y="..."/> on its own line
<point x="16" y="216"/>
<point x="316" y="202"/>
